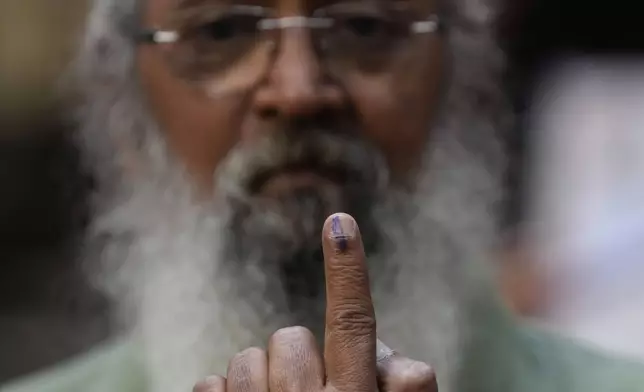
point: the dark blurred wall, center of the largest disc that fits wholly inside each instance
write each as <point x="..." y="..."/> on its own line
<point x="39" y="191"/>
<point x="37" y="40"/>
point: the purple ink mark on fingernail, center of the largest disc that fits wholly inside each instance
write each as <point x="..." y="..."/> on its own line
<point x="338" y="233"/>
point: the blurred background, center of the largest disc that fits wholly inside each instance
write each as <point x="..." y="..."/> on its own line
<point x="576" y="209"/>
<point x="573" y="259"/>
<point x="37" y="39"/>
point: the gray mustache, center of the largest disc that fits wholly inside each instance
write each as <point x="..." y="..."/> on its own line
<point x="318" y="150"/>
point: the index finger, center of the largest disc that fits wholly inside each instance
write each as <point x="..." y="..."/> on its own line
<point x="350" y="334"/>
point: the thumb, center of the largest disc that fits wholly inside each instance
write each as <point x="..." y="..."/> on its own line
<point x="400" y="374"/>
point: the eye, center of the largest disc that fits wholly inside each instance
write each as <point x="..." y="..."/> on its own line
<point x="229" y="27"/>
<point x="366" y="26"/>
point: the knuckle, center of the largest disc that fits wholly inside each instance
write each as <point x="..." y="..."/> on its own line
<point x="237" y="359"/>
<point x="210" y="384"/>
<point x="247" y="356"/>
<point x="354" y="319"/>
<point x="290" y="334"/>
<point x="418" y="376"/>
<point x="253" y="354"/>
<point x="346" y="266"/>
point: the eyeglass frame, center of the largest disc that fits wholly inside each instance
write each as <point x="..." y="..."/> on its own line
<point x="153" y="36"/>
<point x="430" y="24"/>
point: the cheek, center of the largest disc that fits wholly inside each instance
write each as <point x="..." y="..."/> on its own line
<point x="198" y="130"/>
<point x="396" y="113"/>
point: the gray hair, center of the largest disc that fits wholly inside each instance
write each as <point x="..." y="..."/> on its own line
<point x="105" y="78"/>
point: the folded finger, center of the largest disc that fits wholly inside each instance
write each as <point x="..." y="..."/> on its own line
<point x="295" y="362"/>
<point x="211" y="384"/>
<point x="397" y="373"/>
<point x="248" y="372"/>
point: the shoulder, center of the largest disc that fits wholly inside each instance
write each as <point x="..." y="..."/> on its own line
<point x="578" y="366"/>
<point x="110" y="367"/>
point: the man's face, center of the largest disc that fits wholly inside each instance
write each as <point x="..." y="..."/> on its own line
<point x="225" y="87"/>
<point x="279" y="128"/>
<point x="294" y="122"/>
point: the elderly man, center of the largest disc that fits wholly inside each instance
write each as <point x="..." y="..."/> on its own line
<point x="221" y="134"/>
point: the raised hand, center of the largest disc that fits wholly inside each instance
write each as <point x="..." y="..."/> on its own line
<point x="354" y="359"/>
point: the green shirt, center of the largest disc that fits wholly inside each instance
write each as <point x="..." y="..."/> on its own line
<point x="518" y="359"/>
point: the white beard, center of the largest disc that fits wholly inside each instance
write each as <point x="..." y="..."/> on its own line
<point x="179" y="297"/>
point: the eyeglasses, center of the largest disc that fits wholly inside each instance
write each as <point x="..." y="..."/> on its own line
<point x="230" y="48"/>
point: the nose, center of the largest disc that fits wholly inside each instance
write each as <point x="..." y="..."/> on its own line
<point x="297" y="85"/>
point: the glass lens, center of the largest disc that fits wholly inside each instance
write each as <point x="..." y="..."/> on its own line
<point x="364" y="36"/>
<point x="221" y="47"/>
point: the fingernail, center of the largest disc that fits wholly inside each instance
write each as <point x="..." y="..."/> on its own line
<point x="342" y="229"/>
<point x="383" y="352"/>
